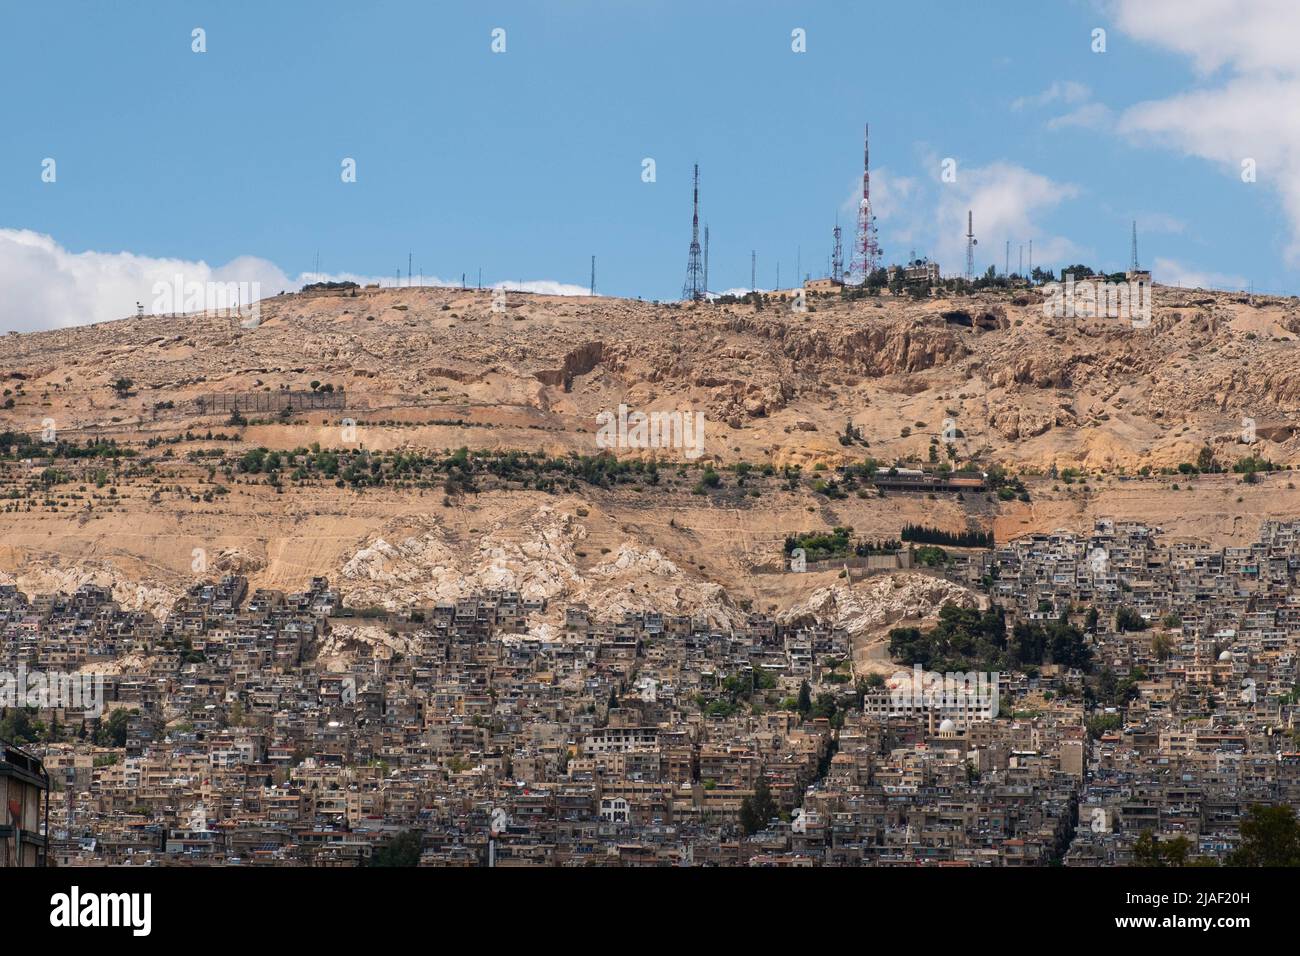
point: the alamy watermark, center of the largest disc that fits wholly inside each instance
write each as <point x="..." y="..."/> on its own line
<point x="680" y="430"/>
<point x="1099" y="298"/>
<point x="972" y="692"/>
<point x="41" y="690"/>
<point x="242" y="299"/>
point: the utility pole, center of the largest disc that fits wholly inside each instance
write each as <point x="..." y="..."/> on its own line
<point x="706" y="258"/>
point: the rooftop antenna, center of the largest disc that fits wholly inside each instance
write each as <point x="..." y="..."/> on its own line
<point x="1133" y="266"/>
<point x="693" y="288"/>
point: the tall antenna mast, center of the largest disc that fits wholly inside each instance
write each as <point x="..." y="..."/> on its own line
<point x="866" y="251"/>
<point x="970" y="245"/>
<point x="837" y="255"/>
<point x="1134" y="264"/>
<point x="753" y="270"/>
<point x="693" y="288"/>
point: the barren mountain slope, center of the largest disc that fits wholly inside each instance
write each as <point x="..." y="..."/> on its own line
<point x="432" y="370"/>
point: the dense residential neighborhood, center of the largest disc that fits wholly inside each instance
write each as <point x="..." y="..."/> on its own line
<point x="1136" y="695"/>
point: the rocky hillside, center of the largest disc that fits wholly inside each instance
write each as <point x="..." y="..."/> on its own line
<point x="980" y="381"/>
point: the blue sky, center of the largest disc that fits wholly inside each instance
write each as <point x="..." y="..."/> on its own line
<point x="525" y="163"/>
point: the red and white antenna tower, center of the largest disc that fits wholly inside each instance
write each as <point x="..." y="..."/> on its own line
<point x="866" y="251"/>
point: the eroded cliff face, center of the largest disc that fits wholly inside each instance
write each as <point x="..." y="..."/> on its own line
<point x="534" y="555"/>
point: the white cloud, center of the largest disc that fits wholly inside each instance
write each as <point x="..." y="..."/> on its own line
<point x="1173" y="272"/>
<point x="1067" y="91"/>
<point x="45" y="286"/>
<point x="896" y="202"/>
<point x="539" y="286"/>
<point x="1249" y="114"/>
<point x="890" y="195"/>
<point x="1087" y="116"/>
<point x="1086" y="113"/>
<point x="1254" y="37"/>
<point x="1007" y="202"/>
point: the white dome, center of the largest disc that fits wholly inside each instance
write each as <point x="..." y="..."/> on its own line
<point x="947" y="726"/>
<point x="1225" y="656"/>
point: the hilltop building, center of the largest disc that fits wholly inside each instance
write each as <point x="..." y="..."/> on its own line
<point x="918" y="270"/>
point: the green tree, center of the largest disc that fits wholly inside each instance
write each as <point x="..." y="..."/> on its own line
<point x="18" y="726"/>
<point x="401" y="850"/>
<point x="758" y="809"/>
<point x="1270" y="836"/>
<point x="112" y="732"/>
<point x="1127" y="619"/>
<point x="1148" y="851"/>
